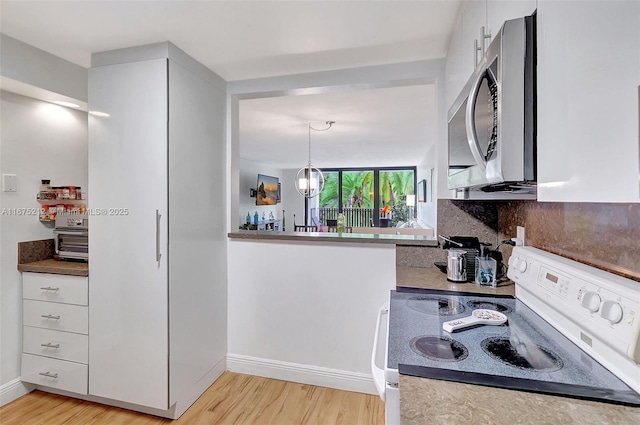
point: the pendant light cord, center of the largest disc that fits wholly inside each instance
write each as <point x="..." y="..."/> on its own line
<point x="328" y="123"/>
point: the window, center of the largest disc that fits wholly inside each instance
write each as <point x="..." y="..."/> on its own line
<point x="361" y="194"/>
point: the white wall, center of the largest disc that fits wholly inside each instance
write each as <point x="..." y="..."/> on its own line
<point x="39" y="140"/>
<point x="426" y="211"/>
<point x="30" y="65"/>
<point x="293" y="202"/>
<point x="306" y="311"/>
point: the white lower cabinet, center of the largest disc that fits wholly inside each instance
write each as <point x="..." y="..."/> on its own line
<point x="54" y="373"/>
<point x="56" y="288"/>
<point x="56" y="344"/>
<point x="55" y="333"/>
<point x="61" y="317"/>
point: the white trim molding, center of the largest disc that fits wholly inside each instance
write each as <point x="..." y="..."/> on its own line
<point x="304" y="374"/>
<point x="13" y="390"/>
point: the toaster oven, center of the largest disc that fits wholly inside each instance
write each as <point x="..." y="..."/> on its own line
<point x="71" y="237"/>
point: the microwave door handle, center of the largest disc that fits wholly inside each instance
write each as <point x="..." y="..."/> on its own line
<point x="470" y="121"/>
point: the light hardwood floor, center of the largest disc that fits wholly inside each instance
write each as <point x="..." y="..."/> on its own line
<point x="233" y="399"/>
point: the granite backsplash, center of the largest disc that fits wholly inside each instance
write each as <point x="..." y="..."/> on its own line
<point x="606" y="236"/>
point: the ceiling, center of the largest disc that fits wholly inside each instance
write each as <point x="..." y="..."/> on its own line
<point x="253" y="39"/>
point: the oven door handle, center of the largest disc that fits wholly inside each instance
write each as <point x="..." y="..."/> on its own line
<point x="71" y="232"/>
<point x="376" y="372"/>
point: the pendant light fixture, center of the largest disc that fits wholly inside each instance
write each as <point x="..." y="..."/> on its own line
<point x="310" y="180"/>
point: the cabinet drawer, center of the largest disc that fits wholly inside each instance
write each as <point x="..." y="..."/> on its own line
<point x="61" y="374"/>
<point x="57" y="344"/>
<point x="55" y="287"/>
<point x="61" y="317"/>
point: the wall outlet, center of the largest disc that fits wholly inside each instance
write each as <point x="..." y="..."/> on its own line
<point x="9" y="183"/>
<point x="520" y="233"/>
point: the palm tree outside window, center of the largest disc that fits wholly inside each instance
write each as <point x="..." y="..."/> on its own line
<point x="360" y="194"/>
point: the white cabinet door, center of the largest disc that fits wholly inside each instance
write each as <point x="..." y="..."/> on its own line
<point x="455" y="77"/>
<point x="474" y="18"/>
<point x="60" y="345"/>
<point x="55" y="287"/>
<point x="54" y="373"/>
<point x="128" y="295"/>
<point x="499" y="11"/>
<point x="588" y="78"/>
<point x="57" y="316"/>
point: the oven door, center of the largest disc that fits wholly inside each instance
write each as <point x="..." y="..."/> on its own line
<point x="383" y="377"/>
<point x="73" y="244"/>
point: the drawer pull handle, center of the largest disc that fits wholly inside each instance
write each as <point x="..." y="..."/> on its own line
<point x="49" y="375"/>
<point x="50" y="345"/>
<point x="50" y="316"/>
<point x="49" y="288"/>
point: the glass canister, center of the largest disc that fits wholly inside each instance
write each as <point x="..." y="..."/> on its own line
<point x="486" y="269"/>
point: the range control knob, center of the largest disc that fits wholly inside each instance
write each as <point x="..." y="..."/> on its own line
<point x="591" y="301"/>
<point x="520" y="264"/>
<point x="612" y="311"/>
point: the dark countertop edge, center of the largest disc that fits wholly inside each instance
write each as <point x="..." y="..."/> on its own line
<point x="425" y="241"/>
<point x="628" y="398"/>
<point x="58" y="269"/>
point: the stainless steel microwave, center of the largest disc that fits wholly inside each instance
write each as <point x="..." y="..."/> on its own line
<point x="492" y="123"/>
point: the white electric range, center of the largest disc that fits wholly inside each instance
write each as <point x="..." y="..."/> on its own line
<point x="572" y="331"/>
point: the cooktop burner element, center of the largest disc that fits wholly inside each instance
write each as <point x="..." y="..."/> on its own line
<point x="528" y="356"/>
<point x="488" y="305"/>
<point x="439" y="348"/>
<point x="438" y="306"/>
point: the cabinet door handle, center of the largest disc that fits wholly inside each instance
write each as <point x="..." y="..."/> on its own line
<point x="50" y="345"/>
<point x="49" y="375"/>
<point x="484" y="36"/>
<point x="476" y="49"/>
<point x="50" y="316"/>
<point x="49" y="288"/>
<point x="158" y="253"/>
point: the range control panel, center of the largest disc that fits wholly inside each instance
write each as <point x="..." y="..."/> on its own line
<point x="604" y="305"/>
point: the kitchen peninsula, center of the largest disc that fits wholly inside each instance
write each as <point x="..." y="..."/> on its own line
<point x="413" y="240"/>
<point x="302" y="306"/>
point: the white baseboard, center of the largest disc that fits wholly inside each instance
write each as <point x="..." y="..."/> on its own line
<point x="304" y="374"/>
<point x="13" y="390"/>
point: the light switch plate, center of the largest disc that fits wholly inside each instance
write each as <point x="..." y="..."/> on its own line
<point x="9" y="183"/>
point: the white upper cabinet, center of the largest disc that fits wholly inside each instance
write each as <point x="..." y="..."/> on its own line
<point x="455" y="75"/>
<point x="474" y="18"/>
<point x="499" y="11"/>
<point x="588" y="94"/>
<point x="479" y="23"/>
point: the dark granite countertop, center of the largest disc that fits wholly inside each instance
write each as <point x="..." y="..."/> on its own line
<point x="427" y="241"/>
<point x="37" y="257"/>
<point x="433" y="278"/>
<point x="74" y="268"/>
